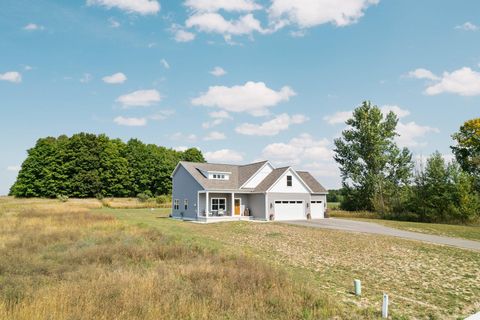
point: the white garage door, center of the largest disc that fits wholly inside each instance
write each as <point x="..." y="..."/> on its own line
<point x="318" y="209"/>
<point x="289" y="210"/>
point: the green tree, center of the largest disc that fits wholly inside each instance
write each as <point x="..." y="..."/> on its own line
<point x="89" y="165"/>
<point x="372" y="167"/>
<point x="193" y="155"/>
<point x="443" y="192"/>
<point x="467" y="150"/>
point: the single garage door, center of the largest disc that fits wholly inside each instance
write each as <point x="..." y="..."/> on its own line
<point x="317" y="209"/>
<point x="289" y="210"/>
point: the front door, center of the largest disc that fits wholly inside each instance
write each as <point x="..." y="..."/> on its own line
<point x="237" y="207"/>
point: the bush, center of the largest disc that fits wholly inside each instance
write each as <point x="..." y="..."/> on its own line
<point x="144" y="196"/>
<point x="62" y="198"/>
<point x="163" y="199"/>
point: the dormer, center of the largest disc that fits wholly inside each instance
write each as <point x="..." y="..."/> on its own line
<point x="216" y="175"/>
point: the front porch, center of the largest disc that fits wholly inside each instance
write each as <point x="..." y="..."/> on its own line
<point x="221" y="206"/>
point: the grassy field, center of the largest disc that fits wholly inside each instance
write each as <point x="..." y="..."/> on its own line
<point x="470" y="232"/>
<point x="423" y="280"/>
<point x="69" y="261"/>
<point x="80" y="260"/>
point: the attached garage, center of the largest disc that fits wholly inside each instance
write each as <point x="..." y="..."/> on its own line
<point x="289" y="210"/>
<point x="317" y="209"/>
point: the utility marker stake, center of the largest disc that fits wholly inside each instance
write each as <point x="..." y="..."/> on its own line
<point x="385" y="306"/>
<point x="358" y="287"/>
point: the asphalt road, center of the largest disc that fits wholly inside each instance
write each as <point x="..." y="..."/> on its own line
<point x="373" y="228"/>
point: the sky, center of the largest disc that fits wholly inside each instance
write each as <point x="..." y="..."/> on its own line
<point x="242" y="80"/>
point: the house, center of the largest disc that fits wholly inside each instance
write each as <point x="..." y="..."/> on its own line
<point x="217" y="192"/>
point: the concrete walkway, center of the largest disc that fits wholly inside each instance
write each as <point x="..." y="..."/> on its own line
<point x="367" y="227"/>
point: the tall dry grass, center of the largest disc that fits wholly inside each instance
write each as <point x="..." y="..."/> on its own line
<point x="63" y="261"/>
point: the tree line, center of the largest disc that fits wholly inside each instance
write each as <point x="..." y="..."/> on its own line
<point x="88" y="165"/>
<point x="379" y="176"/>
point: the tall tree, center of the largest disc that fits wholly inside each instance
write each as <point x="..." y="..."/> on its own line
<point x="89" y="165"/>
<point x="372" y="167"/>
<point x="467" y="150"/>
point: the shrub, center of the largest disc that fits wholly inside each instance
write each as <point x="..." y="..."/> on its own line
<point x="163" y="199"/>
<point x="62" y="198"/>
<point x="144" y="196"/>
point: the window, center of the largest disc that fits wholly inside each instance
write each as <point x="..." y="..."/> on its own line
<point x="185" y="204"/>
<point x="219" y="204"/>
<point x="289" y="181"/>
<point x="176" y="204"/>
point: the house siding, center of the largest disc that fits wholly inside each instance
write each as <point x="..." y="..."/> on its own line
<point x="256" y="204"/>
<point x="185" y="187"/>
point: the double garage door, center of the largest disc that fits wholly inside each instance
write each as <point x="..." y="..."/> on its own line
<point x="289" y="210"/>
<point x="295" y="210"/>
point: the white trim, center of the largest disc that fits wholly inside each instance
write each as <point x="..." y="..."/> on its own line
<point x="176" y="168"/>
<point x="211" y="204"/>
<point x="296" y="175"/>
<point x="253" y="175"/>
<point x="198" y="204"/>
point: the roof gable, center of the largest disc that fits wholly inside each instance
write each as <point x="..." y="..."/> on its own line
<point x="298" y="185"/>
<point x="312" y="182"/>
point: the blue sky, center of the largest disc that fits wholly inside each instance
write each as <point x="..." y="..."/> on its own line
<point x="242" y="80"/>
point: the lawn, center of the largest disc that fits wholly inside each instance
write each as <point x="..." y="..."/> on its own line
<point x="470" y="232"/>
<point x="80" y="260"/>
<point x="423" y="280"/>
<point x="70" y="261"/>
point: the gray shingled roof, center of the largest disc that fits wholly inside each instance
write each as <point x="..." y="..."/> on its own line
<point x="270" y="179"/>
<point x="241" y="173"/>
<point x="248" y="170"/>
<point x="311" y="182"/>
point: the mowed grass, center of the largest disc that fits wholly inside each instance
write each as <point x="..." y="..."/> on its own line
<point x="65" y="261"/>
<point x="470" y="232"/>
<point x="424" y="281"/>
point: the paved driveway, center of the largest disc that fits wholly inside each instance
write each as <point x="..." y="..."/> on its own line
<point x="367" y="227"/>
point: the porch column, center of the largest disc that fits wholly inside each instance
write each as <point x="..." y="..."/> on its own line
<point x="233" y="205"/>
<point x="207" y="209"/>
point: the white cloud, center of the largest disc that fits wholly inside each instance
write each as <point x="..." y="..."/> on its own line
<point x="212" y="22"/>
<point x="272" y="127"/>
<point x="422" y="74"/>
<point x="410" y="133"/>
<point x="401" y="113"/>
<point x="11" y="76"/>
<point x="218" y="72"/>
<point x="86" y="78"/>
<point x="180" y="148"/>
<point x="215" y="135"/>
<point x="14" y="168"/>
<point x="301" y="148"/>
<point x="184" y="36"/>
<point x="467" y="26"/>
<point x="179" y="136"/>
<point x="342" y="116"/>
<point x="130" y="122"/>
<point x="165" y="64"/>
<point x="464" y="82"/>
<point x="227" y="5"/>
<point x="113" y="23"/>
<point x="140" y="98"/>
<point x="116" y="78"/>
<point x="27" y="68"/>
<point x="143" y="7"/>
<point x="161" y="115"/>
<point x="33" y="27"/>
<point x="252" y="97"/>
<point x="338" y="117"/>
<point x="224" y="156"/>
<point x="218" y="118"/>
<point x="309" y="13"/>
